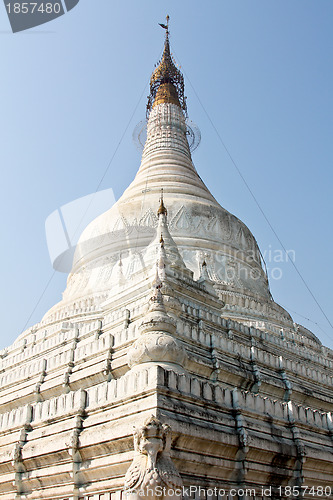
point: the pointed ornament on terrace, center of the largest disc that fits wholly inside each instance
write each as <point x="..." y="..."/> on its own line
<point x="164" y="249"/>
<point x="157" y="343"/>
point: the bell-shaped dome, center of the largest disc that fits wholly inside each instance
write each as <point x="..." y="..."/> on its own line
<point x="199" y="226"/>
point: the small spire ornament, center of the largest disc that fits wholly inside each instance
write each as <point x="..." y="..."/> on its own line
<point x="161" y="209"/>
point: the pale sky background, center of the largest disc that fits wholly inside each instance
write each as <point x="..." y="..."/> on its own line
<point x="263" y="72"/>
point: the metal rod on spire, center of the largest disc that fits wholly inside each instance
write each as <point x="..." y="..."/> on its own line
<point x="165" y="26"/>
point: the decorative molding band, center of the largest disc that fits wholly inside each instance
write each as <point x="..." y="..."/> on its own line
<point x="155" y="378"/>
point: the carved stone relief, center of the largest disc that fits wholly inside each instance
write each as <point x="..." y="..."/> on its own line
<point x="152" y="470"/>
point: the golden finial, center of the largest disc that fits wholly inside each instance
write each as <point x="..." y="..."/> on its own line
<point x="162" y="209"/>
<point x="167" y="81"/>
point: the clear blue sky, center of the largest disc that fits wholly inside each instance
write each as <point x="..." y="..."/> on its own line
<point x="263" y="72"/>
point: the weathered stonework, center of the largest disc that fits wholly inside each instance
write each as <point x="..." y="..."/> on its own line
<point x="152" y="470"/>
<point x="160" y="329"/>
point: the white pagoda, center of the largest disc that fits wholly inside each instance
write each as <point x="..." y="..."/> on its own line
<point x="167" y="370"/>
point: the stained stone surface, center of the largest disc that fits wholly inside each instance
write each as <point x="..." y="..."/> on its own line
<point x="166" y="325"/>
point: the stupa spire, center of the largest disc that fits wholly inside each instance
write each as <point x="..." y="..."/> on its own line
<point x="167" y="81"/>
